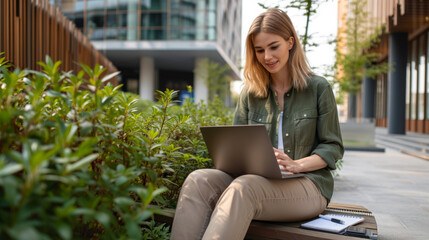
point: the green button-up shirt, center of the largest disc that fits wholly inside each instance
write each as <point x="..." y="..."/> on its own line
<point x="310" y="125"/>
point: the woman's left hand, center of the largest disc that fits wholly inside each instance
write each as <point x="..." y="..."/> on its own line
<point x="284" y="160"/>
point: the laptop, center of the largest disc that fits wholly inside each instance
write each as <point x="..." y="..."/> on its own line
<point x="243" y="149"/>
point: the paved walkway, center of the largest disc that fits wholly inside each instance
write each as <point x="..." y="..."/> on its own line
<point x="394" y="186"/>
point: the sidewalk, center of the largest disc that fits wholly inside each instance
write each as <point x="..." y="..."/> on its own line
<point x="394" y="186"/>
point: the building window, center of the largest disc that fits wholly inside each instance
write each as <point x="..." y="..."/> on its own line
<point x="130" y="5"/>
<point x="154" y="4"/>
<point x="95" y="20"/>
<point x="157" y="19"/>
<point x="408" y="87"/>
<point x="111" y="20"/>
<point x="152" y="34"/>
<point x="414" y="81"/>
<point x="144" y="19"/>
<point x="381" y="97"/>
<point x="427" y="76"/>
<point x="111" y="5"/>
<point x="95" y="5"/>
<point x="111" y="33"/>
<point x="421" y="80"/>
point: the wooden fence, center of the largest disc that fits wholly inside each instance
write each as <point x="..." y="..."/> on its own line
<point x="32" y="29"/>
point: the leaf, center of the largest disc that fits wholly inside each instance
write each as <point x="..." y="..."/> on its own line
<point x="106" y="101"/>
<point x="87" y="69"/>
<point x="124" y="202"/>
<point x="77" y="165"/>
<point x="155" y="146"/>
<point x="144" y="215"/>
<point x="52" y="93"/>
<point x="83" y="211"/>
<point x="64" y="230"/>
<point x="159" y="191"/>
<point x="86" y="147"/>
<point x="121" y="180"/>
<point x="10" y="169"/>
<point x="103" y="218"/>
<point x="55" y="67"/>
<point x="133" y="230"/>
<point x="57" y="178"/>
<point x="5" y="117"/>
<point x="120" y="168"/>
<point x="108" y="77"/>
<point x="25" y="232"/>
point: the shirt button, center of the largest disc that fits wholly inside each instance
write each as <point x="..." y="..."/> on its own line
<point x="288" y="150"/>
<point x="288" y="94"/>
<point x="305" y="115"/>
<point x="287" y="134"/>
<point x="260" y="119"/>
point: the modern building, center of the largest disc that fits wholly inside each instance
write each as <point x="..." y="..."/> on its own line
<point x="399" y="99"/>
<point x="158" y="44"/>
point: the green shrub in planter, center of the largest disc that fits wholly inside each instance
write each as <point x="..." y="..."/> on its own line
<point x="82" y="160"/>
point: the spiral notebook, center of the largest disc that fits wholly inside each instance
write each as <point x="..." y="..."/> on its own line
<point x="329" y="226"/>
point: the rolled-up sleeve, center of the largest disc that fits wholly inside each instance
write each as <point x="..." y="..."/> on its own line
<point x="329" y="145"/>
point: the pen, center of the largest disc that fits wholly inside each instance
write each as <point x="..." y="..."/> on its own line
<point x="335" y="220"/>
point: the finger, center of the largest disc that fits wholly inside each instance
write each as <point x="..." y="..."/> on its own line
<point x="276" y="150"/>
<point x="283" y="162"/>
<point x="279" y="155"/>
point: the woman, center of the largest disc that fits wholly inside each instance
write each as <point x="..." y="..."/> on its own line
<point x="299" y="112"/>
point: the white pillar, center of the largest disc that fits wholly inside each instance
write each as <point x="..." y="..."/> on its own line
<point x="201" y="91"/>
<point x="147" y="78"/>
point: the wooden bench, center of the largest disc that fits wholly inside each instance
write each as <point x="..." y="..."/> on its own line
<point x="261" y="230"/>
<point x="277" y="230"/>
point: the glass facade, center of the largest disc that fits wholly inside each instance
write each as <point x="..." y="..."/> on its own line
<point x="381" y="99"/>
<point x="143" y="19"/>
<point x="413" y="81"/>
<point x="417" y="92"/>
<point x="427" y="76"/>
<point x="417" y="87"/>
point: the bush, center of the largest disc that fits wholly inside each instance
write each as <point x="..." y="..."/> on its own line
<point x="82" y="160"/>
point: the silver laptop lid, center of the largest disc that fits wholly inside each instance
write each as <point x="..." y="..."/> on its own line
<point x="241" y="149"/>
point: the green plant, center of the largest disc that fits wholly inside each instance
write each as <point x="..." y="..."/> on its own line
<point x="356" y="61"/>
<point x="182" y="148"/>
<point x="67" y="168"/>
<point x="156" y="232"/>
<point x="80" y="159"/>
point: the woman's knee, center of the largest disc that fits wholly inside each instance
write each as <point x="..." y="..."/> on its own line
<point x="212" y="177"/>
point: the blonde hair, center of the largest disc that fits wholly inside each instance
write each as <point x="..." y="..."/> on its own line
<point x="257" y="78"/>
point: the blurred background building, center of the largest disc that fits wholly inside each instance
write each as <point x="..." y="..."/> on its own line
<point x="31" y="30"/>
<point x="157" y="44"/>
<point x="399" y="99"/>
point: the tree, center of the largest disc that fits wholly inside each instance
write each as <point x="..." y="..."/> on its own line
<point x="357" y="61"/>
<point x="216" y="77"/>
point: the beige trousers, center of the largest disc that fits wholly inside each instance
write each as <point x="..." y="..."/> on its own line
<point x="213" y="205"/>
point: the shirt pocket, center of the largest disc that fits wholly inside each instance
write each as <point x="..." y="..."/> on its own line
<point x="258" y="118"/>
<point x="305" y="123"/>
